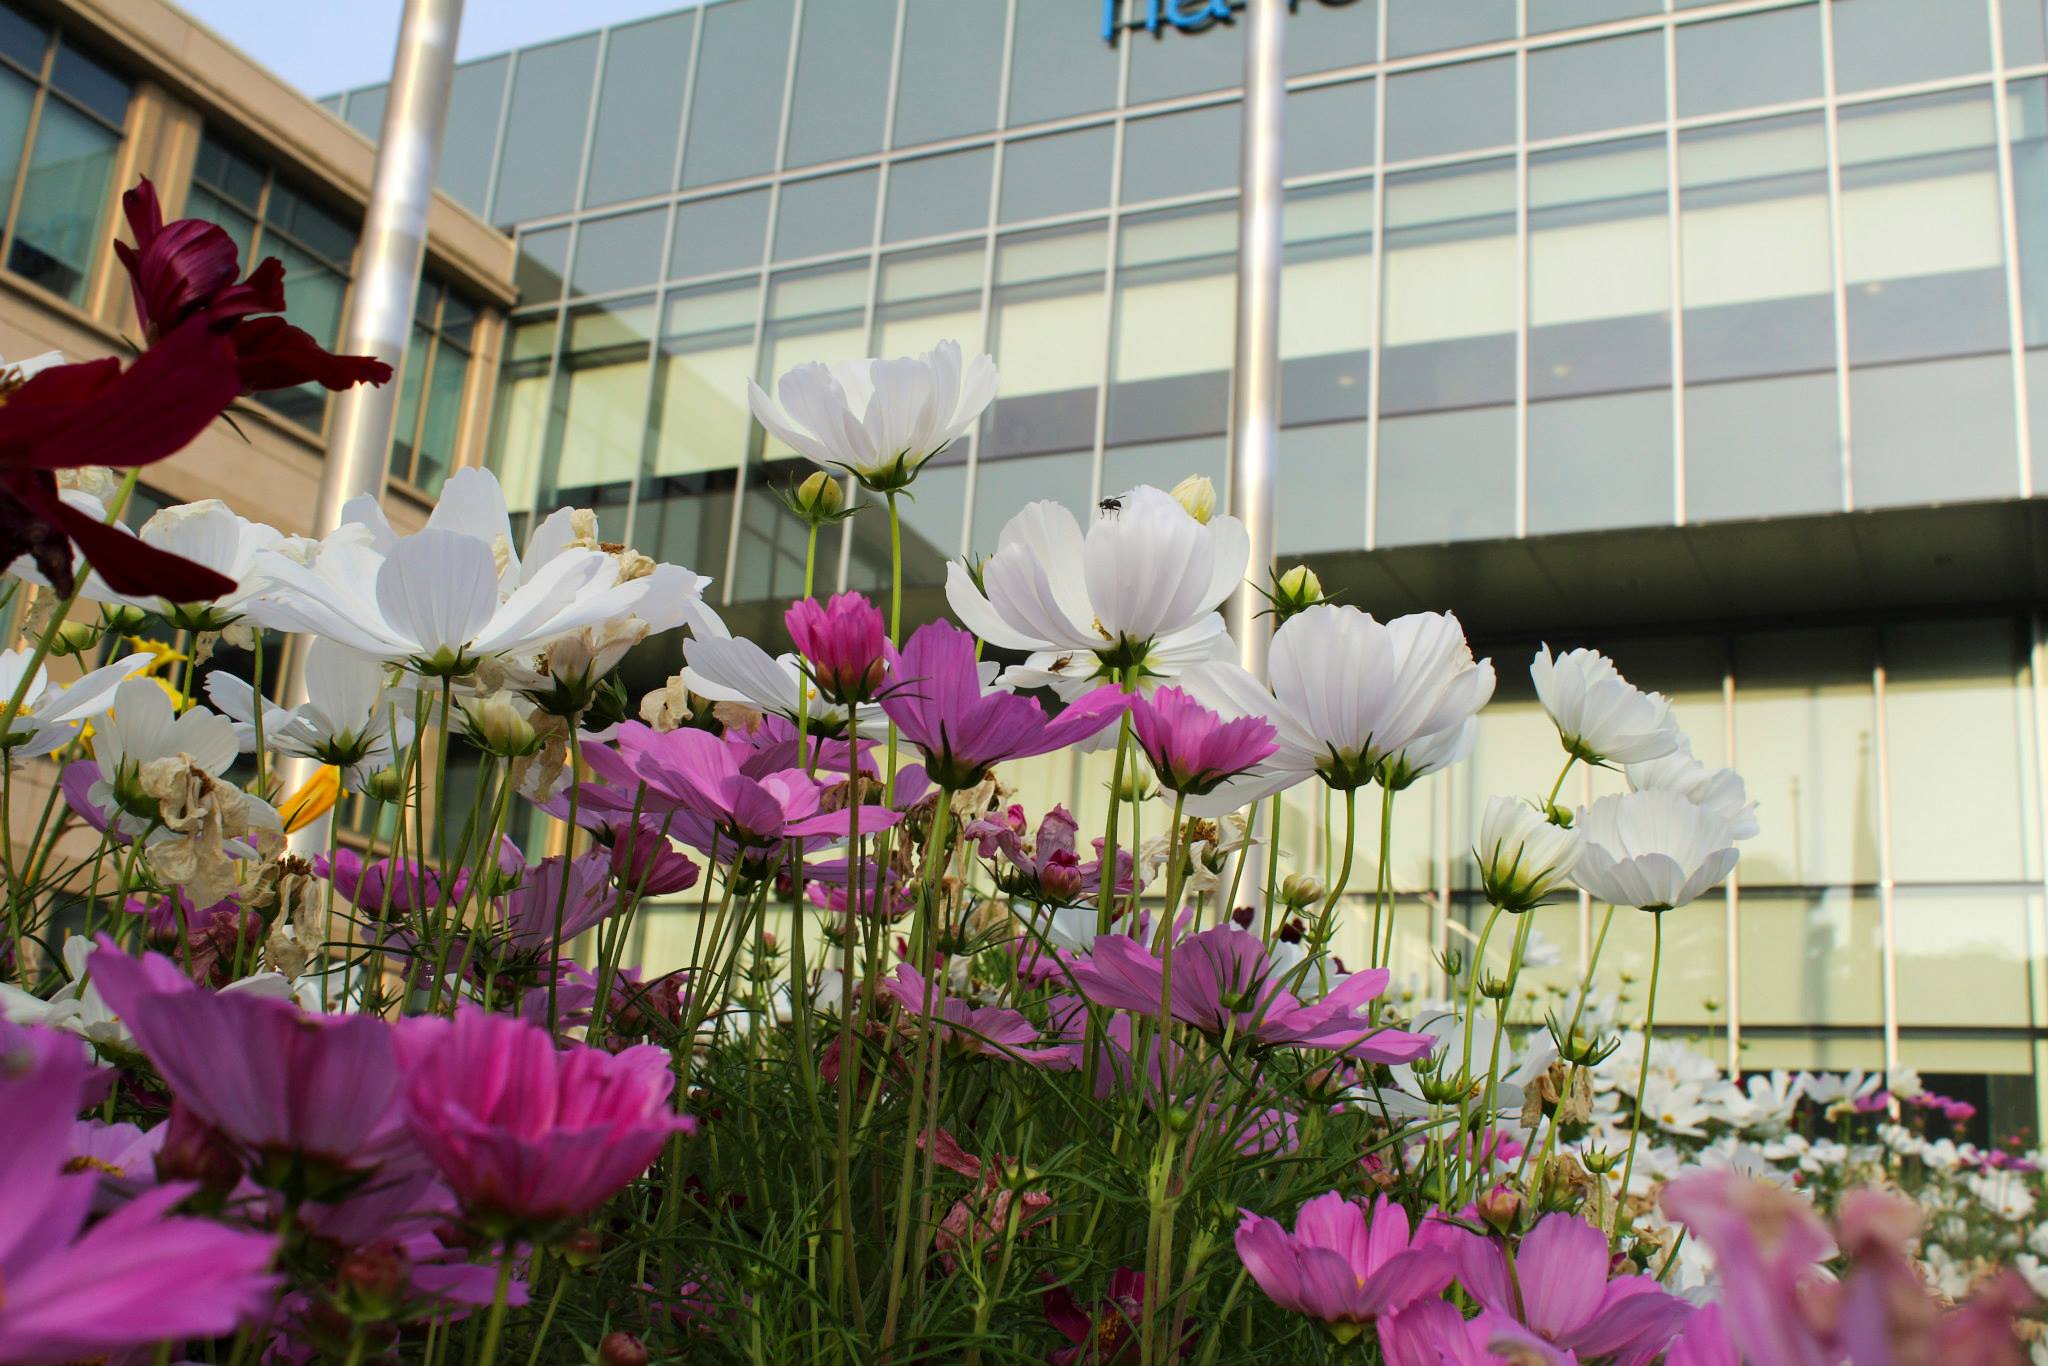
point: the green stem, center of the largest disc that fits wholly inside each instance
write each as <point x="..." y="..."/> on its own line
<point x="494" y="1326"/>
<point x="547" y="1319"/>
<point x="1382" y="896"/>
<point x="1635" y="1129"/>
<point x="1105" y="898"/>
<point x="568" y="859"/>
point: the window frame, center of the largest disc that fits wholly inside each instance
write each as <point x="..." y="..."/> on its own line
<point x="434" y="324"/>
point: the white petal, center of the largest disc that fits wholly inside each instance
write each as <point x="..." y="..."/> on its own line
<point x="438" y="590"/>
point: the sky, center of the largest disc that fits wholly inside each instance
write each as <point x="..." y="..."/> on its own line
<point x="330" y="45"/>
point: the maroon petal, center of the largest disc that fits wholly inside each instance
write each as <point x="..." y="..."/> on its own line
<point x="272" y="354"/>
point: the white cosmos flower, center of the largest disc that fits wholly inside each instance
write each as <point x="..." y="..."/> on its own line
<point x="208" y="533"/>
<point x="1601" y="716"/>
<point x="1719" y="790"/>
<point x="1828" y="1088"/>
<point x="1348" y="691"/>
<point x="1140" y="588"/>
<point x="878" y="420"/>
<point x="1430" y="754"/>
<point x="76" y="1007"/>
<point x="346" y="719"/>
<point x="1653" y="850"/>
<point x="735" y="669"/>
<point x="1523" y="858"/>
<point x="50" y="713"/>
<point x="143" y="728"/>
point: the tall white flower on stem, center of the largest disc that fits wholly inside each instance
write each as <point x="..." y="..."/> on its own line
<point x="208" y="533"/>
<point x="1719" y="790"/>
<point x="1523" y="858"/>
<point x="1138" y="591"/>
<point x="347" y="717"/>
<point x="878" y="420"/>
<point x="50" y="713"/>
<point x="1654" y="850"/>
<point x="1601" y="716"/>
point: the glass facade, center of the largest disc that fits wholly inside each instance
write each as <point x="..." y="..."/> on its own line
<point x="1556" y="272"/>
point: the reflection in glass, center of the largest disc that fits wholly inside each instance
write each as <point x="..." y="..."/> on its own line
<point x="1064" y="173"/>
<point x="543" y="261"/>
<point x="736" y="98"/>
<point x="57" y="228"/>
<point x="1967" y="956"/>
<point x="1600" y="462"/>
<point x="842" y="80"/>
<point x="599" y="411"/>
<point x="1059" y="64"/>
<point x="519" y="426"/>
<point x="1330" y="128"/>
<point x="544" y="129"/>
<point x="2025" y="25"/>
<point x="1046" y="331"/>
<point x="1961" y="407"/>
<point x="1449" y="315"/>
<point x="1328" y="289"/>
<point x="1891" y="42"/>
<point x="830" y="214"/>
<point x="620" y="252"/>
<point x="1321" y="488"/>
<point x="1752" y="59"/>
<point x="1184" y="153"/>
<point x="1587" y="87"/>
<point x="1805" y="742"/>
<point x="1811" y="958"/>
<point x="721" y="234"/>
<point x="1175" y="325"/>
<point x="1599" y="269"/>
<point x="1692" y="982"/>
<point x="1451" y="109"/>
<point x="469" y="140"/>
<point x="932" y="196"/>
<point x="699" y="425"/>
<point x="1004" y="484"/>
<point x="1762" y="448"/>
<point x="956" y="49"/>
<point x="639" y="109"/>
<point x="1447" y="476"/>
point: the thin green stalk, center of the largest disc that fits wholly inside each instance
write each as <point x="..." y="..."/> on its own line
<point x="1321" y="954"/>
<point x="1105" y="898"/>
<point x="1471" y="997"/>
<point x="1635" y="1128"/>
<point x="1382" y="893"/>
<point x="494" y="1326"/>
<point x="1159" y="1218"/>
<point x="562" y="893"/>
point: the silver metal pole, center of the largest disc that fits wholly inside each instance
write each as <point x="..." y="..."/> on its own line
<point x="1255" y="381"/>
<point x="394" y="238"/>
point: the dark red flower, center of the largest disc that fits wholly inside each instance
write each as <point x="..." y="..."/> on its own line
<point x="97" y="413"/>
<point x="1102" y="1334"/>
<point x="188" y="267"/>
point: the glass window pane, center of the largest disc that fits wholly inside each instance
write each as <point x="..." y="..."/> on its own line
<point x="310" y="225"/>
<point x="931" y="530"/>
<point x="411" y="381"/>
<point x="713" y="235"/>
<point x="1758" y="279"/>
<point x="1692" y="980"/>
<point x="519" y="424"/>
<point x="1179" y="154"/>
<point x="955" y="47"/>
<point x="1432" y="26"/>
<point x="1762" y="448"/>
<point x="1547" y="16"/>
<point x="229" y="172"/>
<point x="1449" y="316"/>
<point x="58" y="227"/>
<point x="1447" y="476"/>
<point x="1967" y="956"/>
<point x="1330" y="128"/>
<point x="1322" y="488"/>
<point x="2025" y="23"/>
<point x="1600" y="462"/>
<point x="544" y="128"/>
<point x="22" y="40"/>
<point x="470" y="139"/>
<point x="101" y="91"/>
<point x="1328" y="288"/>
<point x="1891" y="42"/>
<point x="366" y="110"/>
<point x="1059" y="64"/>
<point x="445" y="390"/>
<point x="1806" y="744"/>
<point x="1748" y="60"/>
<point x="1962" y="408"/>
<point x="931" y="196"/>
<point x="701" y="424"/>
<point x="1587" y="87"/>
<point x="736" y="106"/>
<point x="1599" y="269"/>
<point x="1163" y="464"/>
<point x="1046" y="331"/>
<point x="618" y="252"/>
<point x="1173" y="62"/>
<point x="1451" y="109"/>
<point x="1923" y="255"/>
<point x="1176" y="310"/>
<point x="1811" y="958"/>
<point x="600" y="405"/>
<point x="1005" y="483"/>
<point x="926" y="297"/>
<point x="842" y="80"/>
<point x="813" y="315"/>
<point x="1064" y="173"/>
<point x="1334" y="33"/>
<point x="639" y="109"/>
<point x="17" y="98"/>
<point x="543" y="261"/>
<point x="1959" y="727"/>
<point x="829" y="214"/>
<point x="2028" y="112"/>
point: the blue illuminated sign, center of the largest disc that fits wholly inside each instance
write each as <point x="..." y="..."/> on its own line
<point x="1189" y="16"/>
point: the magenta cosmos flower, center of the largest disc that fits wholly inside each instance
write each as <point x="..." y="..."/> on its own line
<point x="312" y="1100"/>
<point x="1338" y="1266"/>
<point x="995" y="1030"/>
<point x="938" y="699"/>
<point x="1557" y="1299"/>
<point x="1223" y="982"/>
<point x="842" y="643"/>
<point x="1192" y="749"/>
<point x="525" y="1134"/>
<point x="138" y="1276"/>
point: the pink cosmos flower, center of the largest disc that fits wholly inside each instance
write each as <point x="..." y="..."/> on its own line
<point x="995" y="1030"/>
<point x="1049" y="872"/>
<point x="1768" y="1245"/>
<point x="1223" y="982"/>
<point x="1192" y="749"/>
<point x="372" y="885"/>
<point x="1558" y="1301"/>
<point x="996" y="1208"/>
<point x="527" y="914"/>
<point x="647" y="864"/>
<point x="1704" y="1341"/>
<point x="842" y="642"/>
<point x="136" y="1277"/>
<point x="525" y="1134"/>
<point x="312" y="1100"/>
<point x="1431" y="1332"/>
<point x="1340" y="1267"/>
<point x="936" y="697"/>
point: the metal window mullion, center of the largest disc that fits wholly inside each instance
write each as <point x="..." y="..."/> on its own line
<point x="1676" y="253"/>
<point x="1734" y="888"/>
<point x="28" y="148"/>
<point x="1523" y="277"/>
<point x="972" y="483"/>
<point x="419" y="416"/>
<point x="1832" y="130"/>
<point x="651" y="436"/>
<point x="2008" y="211"/>
<point x="1376" y="324"/>
<point x="498" y="138"/>
<point x="1113" y="224"/>
<point x="1887" y="900"/>
<point x="739" y="487"/>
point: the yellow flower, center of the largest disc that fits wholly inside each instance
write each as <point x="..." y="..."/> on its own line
<point x="311" y="801"/>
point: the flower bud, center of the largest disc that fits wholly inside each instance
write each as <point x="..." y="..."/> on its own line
<point x="496" y="725"/>
<point x="74" y="638"/>
<point x="1197" y="494"/>
<point x="1296" y="591"/>
<point x="385" y="785"/>
<point x="1137" y="784"/>
<point x="581" y="1248"/>
<point x="1500" y="1208"/>
<point x="1299" y="890"/>
<point x="817" y="499"/>
<point x="373" y="1280"/>
<point x="618" y="1347"/>
<point x="121" y="618"/>
<point x="194" y="1150"/>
